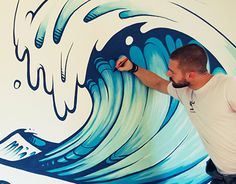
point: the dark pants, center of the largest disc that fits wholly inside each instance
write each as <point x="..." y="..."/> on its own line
<point x="218" y="178"/>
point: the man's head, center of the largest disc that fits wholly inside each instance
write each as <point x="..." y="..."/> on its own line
<point x="185" y="63"/>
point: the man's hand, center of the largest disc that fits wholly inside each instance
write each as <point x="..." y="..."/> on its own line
<point x="124" y="64"/>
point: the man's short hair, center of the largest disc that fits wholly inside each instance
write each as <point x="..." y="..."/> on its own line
<point x="191" y="57"/>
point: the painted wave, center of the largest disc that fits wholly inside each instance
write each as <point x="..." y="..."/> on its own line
<point x="133" y="134"/>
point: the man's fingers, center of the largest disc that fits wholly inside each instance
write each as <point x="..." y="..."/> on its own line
<point x="120" y="61"/>
<point x="123" y="64"/>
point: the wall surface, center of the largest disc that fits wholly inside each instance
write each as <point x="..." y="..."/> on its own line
<point x="66" y="117"/>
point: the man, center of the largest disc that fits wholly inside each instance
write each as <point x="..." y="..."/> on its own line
<point x="210" y="101"/>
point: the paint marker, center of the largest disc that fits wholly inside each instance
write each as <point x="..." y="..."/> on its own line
<point x="121" y="64"/>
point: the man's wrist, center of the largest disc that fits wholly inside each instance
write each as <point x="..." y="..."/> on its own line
<point x="134" y="68"/>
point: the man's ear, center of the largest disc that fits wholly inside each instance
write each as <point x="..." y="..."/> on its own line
<point x="190" y="76"/>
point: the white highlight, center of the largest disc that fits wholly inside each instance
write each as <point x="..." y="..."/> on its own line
<point x="129" y="40"/>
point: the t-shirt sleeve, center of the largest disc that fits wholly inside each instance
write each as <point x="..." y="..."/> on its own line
<point x="231" y="92"/>
<point x="172" y="91"/>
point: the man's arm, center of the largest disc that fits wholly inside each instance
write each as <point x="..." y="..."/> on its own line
<point x="147" y="77"/>
<point x="152" y="80"/>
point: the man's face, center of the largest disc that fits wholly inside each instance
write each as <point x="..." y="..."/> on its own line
<point x="176" y="75"/>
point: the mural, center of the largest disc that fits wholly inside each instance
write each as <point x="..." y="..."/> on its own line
<point x="68" y="116"/>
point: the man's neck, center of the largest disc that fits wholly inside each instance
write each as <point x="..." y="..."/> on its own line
<point x="200" y="81"/>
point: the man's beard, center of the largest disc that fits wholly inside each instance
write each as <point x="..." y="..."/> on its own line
<point x="181" y="84"/>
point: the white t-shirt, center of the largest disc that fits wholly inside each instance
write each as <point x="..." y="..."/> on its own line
<point x="212" y="110"/>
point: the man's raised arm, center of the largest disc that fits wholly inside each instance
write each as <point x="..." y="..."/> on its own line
<point x="147" y="77"/>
